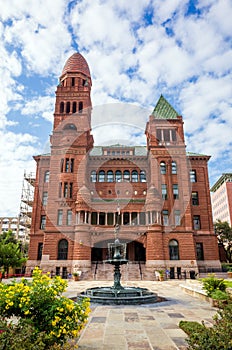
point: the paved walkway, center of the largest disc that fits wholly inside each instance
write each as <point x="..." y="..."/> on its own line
<point x="145" y="327"/>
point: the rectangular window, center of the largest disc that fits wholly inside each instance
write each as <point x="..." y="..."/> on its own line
<point x="42" y="222"/>
<point x="173" y="135"/>
<point x="110" y="218"/>
<point x="70" y="190"/>
<point x="177" y="217"/>
<point x="71" y="165"/>
<point x="60" y="189"/>
<point x="193" y="176"/>
<point x="175" y="191"/>
<point x="66" y="165"/>
<point x="102" y="218"/>
<point x="164" y="191"/>
<point x="159" y="134"/>
<point x="165" y="217"/>
<point x="174" y="168"/>
<point x="45" y="198"/>
<point x="94" y="218"/>
<point x="195" y="199"/>
<point x="166" y="134"/>
<point x="60" y="217"/>
<point x="196" y="222"/>
<point x="200" y="251"/>
<point x="65" y="190"/>
<point x="69" y="217"/>
<point x="142" y="218"/>
<point x="40" y="251"/>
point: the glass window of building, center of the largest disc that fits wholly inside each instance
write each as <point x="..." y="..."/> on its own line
<point x="162" y="168"/>
<point x="193" y="176"/>
<point x="196" y="222"/>
<point x="173" y="250"/>
<point x="62" y="249"/>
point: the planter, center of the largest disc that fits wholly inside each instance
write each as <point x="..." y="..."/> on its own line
<point x="229" y="274"/>
<point x="76" y="278"/>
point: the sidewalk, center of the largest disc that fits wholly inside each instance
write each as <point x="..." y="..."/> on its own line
<point x="145" y="327"/>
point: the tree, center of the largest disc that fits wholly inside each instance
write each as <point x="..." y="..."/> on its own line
<point x="224" y="234"/>
<point x="10" y="252"/>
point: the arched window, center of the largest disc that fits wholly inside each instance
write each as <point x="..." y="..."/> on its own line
<point x="101" y="176"/>
<point x="162" y="168"/>
<point x="110" y="176"/>
<point x="70" y="126"/>
<point x="74" y="107"/>
<point x="68" y="107"/>
<point x="80" y="107"/>
<point x="126" y="175"/>
<point x="46" y="176"/>
<point x="118" y="176"/>
<point x="174" y="168"/>
<point x="61" y="107"/>
<point x="134" y="176"/>
<point x="62" y="249"/>
<point x="93" y="176"/>
<point x="173" y="249"/>
<point x="143" y="177"/>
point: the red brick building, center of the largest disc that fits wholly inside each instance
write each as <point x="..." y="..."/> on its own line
<point x="161" y="191"/>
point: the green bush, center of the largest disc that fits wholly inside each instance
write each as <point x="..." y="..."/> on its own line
<point x="219" y="295"/>
<point x="190" y="327"/>
<point x="217" y="337"/>
<point x="211" y="283"/>
<point x="40" y="308"/>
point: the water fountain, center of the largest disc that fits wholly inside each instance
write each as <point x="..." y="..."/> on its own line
<point x="117" y="294"/>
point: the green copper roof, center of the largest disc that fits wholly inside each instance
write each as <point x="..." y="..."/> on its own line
<point x="163" y="110"/>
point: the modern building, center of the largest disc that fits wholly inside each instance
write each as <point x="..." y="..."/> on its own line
<point x="158" y="193"/>
<point x="13" y="223"/>
<point x="221" y="194"/>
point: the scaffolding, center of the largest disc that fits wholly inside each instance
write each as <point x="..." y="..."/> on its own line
<point x="26" y="205"/>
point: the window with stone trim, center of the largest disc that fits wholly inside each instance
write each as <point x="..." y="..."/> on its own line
<point x="69" y="217"/>
<point x="46" y="176"/>
<point x="45" y="198"/>
<point x="200" y="251"/>
<point x="175" y="190"/>
<point x="163" y="168"/>
<point x="177" y="218"/>
<point x="165" y="217"/>
<point x="62" y="249"/>
<point x="173" y="249"/>
<point x="60" y="217"/>
<point x="42" y="222"/>
<point x="174" y="168"/>
<point x="195" y="198"/>
<point x="193" y="176"/>
<point x="40" y="251"/>
<point x="196" y="222"/>
<point x="164" y="191"/>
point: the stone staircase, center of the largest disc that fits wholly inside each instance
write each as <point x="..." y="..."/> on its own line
<point x="132" y="271"/>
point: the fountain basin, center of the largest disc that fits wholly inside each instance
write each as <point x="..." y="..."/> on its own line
<point x="122" y="296"/>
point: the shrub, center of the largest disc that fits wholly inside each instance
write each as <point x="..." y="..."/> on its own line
<point x="40" y="302"/>
<point x="219" y="295"/>
<point x="211" y="283"/>
<point x="217" y="337"/>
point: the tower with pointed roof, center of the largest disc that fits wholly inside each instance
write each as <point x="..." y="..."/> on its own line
<point x="160" y="190"/>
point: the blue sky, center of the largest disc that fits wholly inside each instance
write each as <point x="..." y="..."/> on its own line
<point x="136" y="51"/>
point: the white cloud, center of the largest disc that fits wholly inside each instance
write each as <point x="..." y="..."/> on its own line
<point x="42" y="106"/>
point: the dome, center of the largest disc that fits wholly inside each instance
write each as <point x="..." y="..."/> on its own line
<point x="76" y="63"/>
